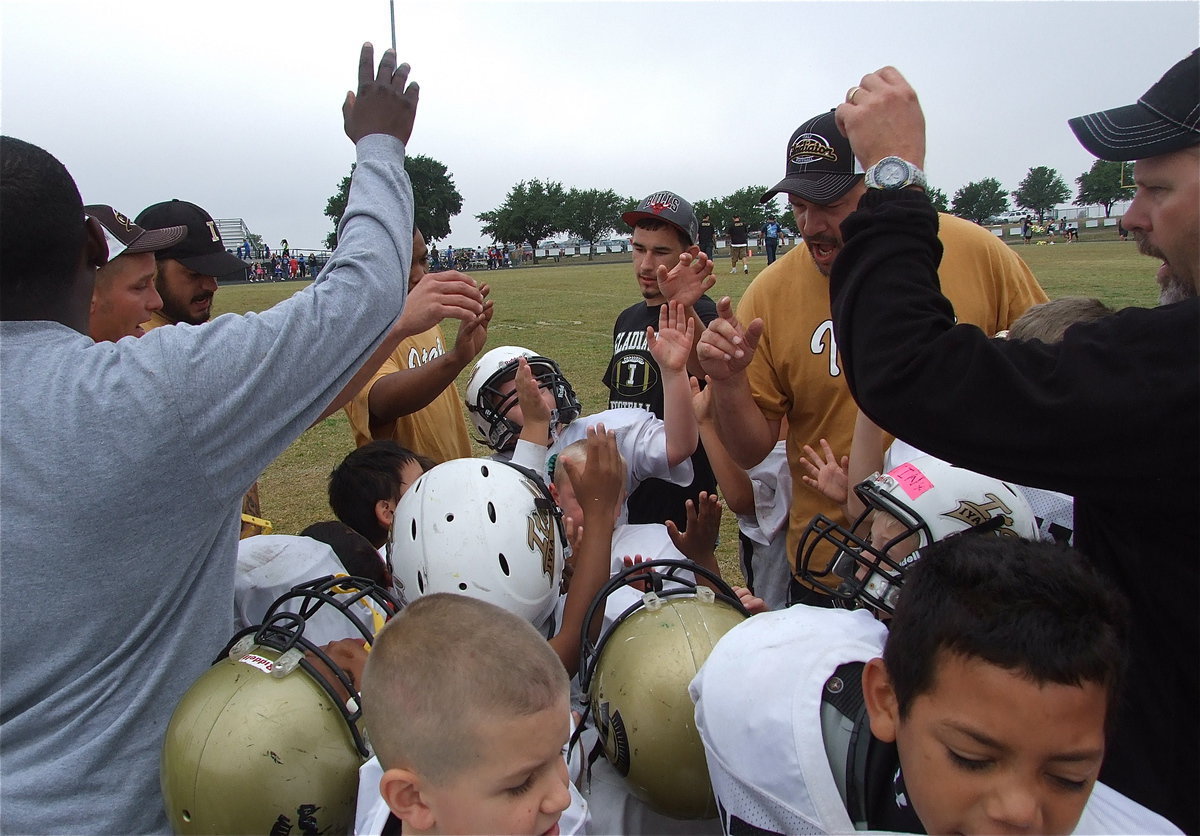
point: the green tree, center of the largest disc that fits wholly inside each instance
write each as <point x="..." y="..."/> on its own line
<point x="531" y="211"/>
<point x="744" y="203"/>
<point x="589" y="213"/>
<point x="435" y="198"/>
<point x="1101" y="186"/>
<point x="625" y="204"/>
<point x="938" y="198"/>
<point x="979" y="200"/>
<point x="1041" y="190"/>
<point x="335" y="207"/>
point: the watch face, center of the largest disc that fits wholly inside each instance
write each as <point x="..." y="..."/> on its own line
<point x="892" y="173"/>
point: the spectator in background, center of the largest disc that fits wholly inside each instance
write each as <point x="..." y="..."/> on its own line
<point x="739" y="245"/>
<point x="707" y="236"/>
<point x="770" y="233"/>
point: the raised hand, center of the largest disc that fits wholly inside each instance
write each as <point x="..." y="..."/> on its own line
<point x="688" y="280"/>
<point x="439" y="296"/>
<point x="882" y="117"/>
<point x="703" y="525"/>
<point x="385" y="102"/>
<point x="826" y="472"/>
<point x="529" y="396"/>
<point x="726" y="347"/>
<point x="672" y="344"/>
<point x="599" y="482"/>
<point x="472" y="334"/>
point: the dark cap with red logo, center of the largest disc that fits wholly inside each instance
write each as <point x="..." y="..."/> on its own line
<point x="202" y="250"/>
<point x="669" y="207"/>
<point x="820" y="163"/>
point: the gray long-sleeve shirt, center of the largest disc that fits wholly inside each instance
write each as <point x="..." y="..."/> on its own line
<point x="122" y="467"/>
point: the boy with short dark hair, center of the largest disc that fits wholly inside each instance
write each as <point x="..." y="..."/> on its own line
<point x="983" y="710"/>
<point x="484" y="704"/>
<point x="365" y="487"/>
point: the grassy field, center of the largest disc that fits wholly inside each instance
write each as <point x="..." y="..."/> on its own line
<point x="566" y="311"/>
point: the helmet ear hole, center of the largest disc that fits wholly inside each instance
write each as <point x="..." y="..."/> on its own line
<point x="491" y="512"/>
<point x="414" y="529"/>
<point x="484" y="470"/>
<point x="449" y="518"/>
<point x="504" y="564"/>
<point x="421" y="582"/>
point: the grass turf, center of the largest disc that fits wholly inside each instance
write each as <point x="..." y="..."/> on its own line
<point x="566" y="311"/>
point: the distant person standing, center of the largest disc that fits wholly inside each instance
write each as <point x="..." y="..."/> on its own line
<point x="770" y="233"/>
<point x="739" y="249"/>
<point x="1026" y="230"/>
<point x="707" y="236"/>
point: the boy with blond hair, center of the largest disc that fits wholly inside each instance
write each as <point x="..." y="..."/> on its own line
<point x="468" y="710"/>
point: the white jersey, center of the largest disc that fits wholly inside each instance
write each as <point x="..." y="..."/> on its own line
<point x="769" y="767"/>
<point x="641" y="440"/>
<point x="771" y="482"/>
<point x="269" y="565"/>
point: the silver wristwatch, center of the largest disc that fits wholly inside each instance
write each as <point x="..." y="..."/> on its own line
<point x="893" y="173"/>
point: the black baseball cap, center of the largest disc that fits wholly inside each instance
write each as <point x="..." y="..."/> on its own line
<point x="669" y="207"/>
<point x="1165" y="119"/>
<point x="124" y="236"/>
<point x="202" y="250"/>
<point x="820" y="163"/>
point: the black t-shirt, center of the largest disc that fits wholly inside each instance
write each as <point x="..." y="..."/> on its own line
<point x="633" y="380"/>
<point x="737" y="235"/>
<point x="706" y="234"/>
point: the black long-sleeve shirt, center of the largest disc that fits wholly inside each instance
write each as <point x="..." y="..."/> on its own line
<point x="1111" y="415"/>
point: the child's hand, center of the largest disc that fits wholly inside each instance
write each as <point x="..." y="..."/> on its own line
<point x="753" y="604"/>
<point x="638" y="581"/>
<point x="699" y="541"/>
<point x="688" y="280"/>
<point x="826" y="473"/>
<point x="529" y="396"/>
<point x="672" y="344"/>
<point x="599" y="482"/>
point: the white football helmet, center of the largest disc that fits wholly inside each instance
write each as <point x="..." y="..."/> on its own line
<point x="932" y="500"/>
<point x="489" y="408"/>
<point x="481" y="528"/>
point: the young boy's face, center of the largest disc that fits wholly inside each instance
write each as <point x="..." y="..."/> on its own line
<point x="518" y="783"/>
<point x="987" y="750"/>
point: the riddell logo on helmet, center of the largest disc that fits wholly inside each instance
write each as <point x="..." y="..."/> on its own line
<point x="811" y="148"/>
<point x="255" y="661"/>
<point x="662" y="202"/>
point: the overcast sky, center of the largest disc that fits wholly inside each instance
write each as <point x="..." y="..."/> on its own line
<point x="236" y="106"/>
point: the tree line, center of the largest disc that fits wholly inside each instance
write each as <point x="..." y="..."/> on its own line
<point x="537" y="209"/>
